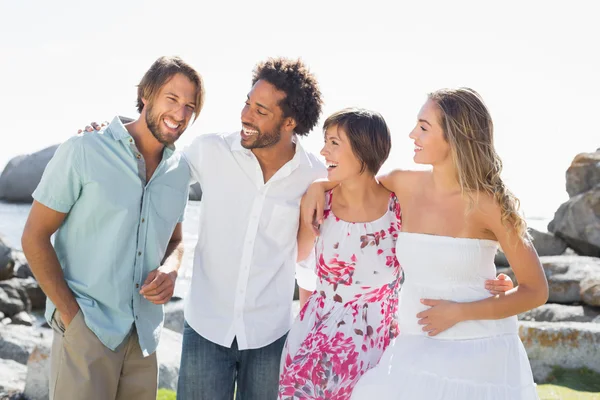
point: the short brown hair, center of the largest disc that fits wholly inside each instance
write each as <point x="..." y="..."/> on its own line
<point x="302" y="99"/>
<point x="369" y="136"/>
<point x="161" y="72"/>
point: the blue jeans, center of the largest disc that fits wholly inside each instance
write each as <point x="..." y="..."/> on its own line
<point x="209" y="371"/>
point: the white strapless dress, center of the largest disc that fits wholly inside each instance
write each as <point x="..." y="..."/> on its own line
<point x="473" y="360"/>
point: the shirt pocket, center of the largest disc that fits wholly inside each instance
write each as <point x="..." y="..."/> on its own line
<point x="283" y="225"/>
<point x="168" y="204"/>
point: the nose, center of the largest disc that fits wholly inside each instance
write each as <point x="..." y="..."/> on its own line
<point x="182" y="113"/>
<point x="324" y="151"/>
<point x="414" y="134"/>
<point x="246" y="114"/>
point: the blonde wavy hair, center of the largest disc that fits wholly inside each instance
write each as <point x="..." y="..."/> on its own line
<point x="469" y="130"/>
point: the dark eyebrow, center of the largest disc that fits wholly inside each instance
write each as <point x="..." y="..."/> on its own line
<point x="260" y="105"/>
<point x="425" y="121"/>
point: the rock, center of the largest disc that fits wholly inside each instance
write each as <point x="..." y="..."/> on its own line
<point x="13" y="297"/>
<point x="584" y="173"/>
<point x="36" y="295"/>
<point x="22" y="174"/>
<point x="174" y="315"/>
<point x="546" y="244"/>
<point x="17" y="342"/>
<point x="21" y="265"/>
<point x="195" y="192"/>
<point x="590" y="290"/>
<point x="566" y="344"/>
<point x="169" y="358"/>
<point x="577" y="222"/>
<point x="7" y="264"/>
<point x="5" y="321"/>
<point x="23" y="318"/>
<point x="565" y="274"/>
<point x="38" y="372"/>
<point x="13" y="376"/>
<point x="561" y="313"/>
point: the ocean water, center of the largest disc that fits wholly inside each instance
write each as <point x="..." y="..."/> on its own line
<point x="14" y="216"/>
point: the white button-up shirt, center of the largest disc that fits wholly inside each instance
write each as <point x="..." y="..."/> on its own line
<point x="243" y="277"/>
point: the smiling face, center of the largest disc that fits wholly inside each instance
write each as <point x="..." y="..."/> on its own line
<point x="263" y="121"/>
<point x="430" y="145"/>
<point x="168" y="113"/>
<point x="342" y="163"/>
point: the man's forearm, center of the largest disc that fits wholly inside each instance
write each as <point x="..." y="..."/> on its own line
<point x="46" y="268"/>
<point x="173" y="256"/>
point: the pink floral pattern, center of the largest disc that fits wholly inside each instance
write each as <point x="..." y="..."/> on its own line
<point x="347" y="323"/>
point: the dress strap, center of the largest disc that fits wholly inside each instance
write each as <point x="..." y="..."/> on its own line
<point x="394" y="206"/>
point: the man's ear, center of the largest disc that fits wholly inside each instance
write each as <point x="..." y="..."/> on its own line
<point x="290" y="124"/>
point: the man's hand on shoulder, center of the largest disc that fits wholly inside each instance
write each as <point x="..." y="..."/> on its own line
<point x="93" y="126"/>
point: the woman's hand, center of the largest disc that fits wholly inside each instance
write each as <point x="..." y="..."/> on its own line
<point x="442" y="315"/>
<point x="313" y="204"/>
<point x="500" y="285"/>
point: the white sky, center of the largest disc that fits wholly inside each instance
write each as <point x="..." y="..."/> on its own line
<point x="536" y="63"/>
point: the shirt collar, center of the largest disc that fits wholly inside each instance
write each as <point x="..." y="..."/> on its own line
<point x="300" y="156"/>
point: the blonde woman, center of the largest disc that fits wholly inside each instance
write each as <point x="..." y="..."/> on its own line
<point x="456" y="341"/>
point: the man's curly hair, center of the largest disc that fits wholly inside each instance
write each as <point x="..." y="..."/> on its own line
<point x="303" y="97"/>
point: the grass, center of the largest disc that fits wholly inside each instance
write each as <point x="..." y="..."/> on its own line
<point x="574" y="384"/>
<point x="164" y="394"/>
<point x="579" y="384"/>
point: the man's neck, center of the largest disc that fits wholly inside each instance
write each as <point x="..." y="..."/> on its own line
<point x="145" y="142"/>
<point x="276" y="156"/>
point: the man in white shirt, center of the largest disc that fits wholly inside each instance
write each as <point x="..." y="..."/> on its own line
<point x="239" y="306"/>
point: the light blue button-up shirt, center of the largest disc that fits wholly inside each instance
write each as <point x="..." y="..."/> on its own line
<point x="117" y="228"/>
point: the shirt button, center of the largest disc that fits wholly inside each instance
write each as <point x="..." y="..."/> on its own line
<point x="139" y="253"/>
<point x="137" y="285"/>
<point x="143" y="220"/>
<point x="136" y="317"/>
<point x="138" y="156"/>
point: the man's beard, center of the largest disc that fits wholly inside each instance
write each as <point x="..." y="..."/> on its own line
<point x="153" y="123"/>
<point x="264" y="139"/>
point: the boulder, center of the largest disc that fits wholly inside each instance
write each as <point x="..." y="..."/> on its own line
<point x="17" y="342"/>
<point x="38" y="373"/>
<point x="22" y="174"/>
<point x="565" y="274"/>
<point x="36" y="295"/>
<point x="584" y="173"/>
<point x="577" y="222"/>
<point x="174" y="315"/>
<point x="23" y="318"/>
<point x="22" y="269"/>
<point x="562" y="313"/>
<point x="169" y="358"/>
<point x="195" y="192"/>
<point x="7" y="264"/>
<point x="13" y="376"/>
<point x="13" y="297"/>
<point x="546" y="244"/>
<point x="590" y="290"/>
<point x="570" y="345"/>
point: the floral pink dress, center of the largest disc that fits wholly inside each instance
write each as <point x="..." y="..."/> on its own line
<point x="347" y="323"/>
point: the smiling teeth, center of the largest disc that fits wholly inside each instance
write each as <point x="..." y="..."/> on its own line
<point x="418" y="147"/>
<point x="249" y="132"/>
<point x="331" y="165"/>
<point x="171" y="125"/>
